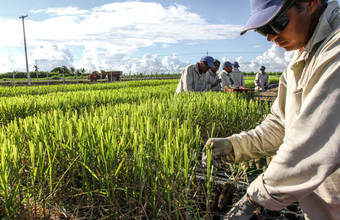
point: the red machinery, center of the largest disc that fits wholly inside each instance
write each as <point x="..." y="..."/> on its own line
<point x="93" y="76"/>
<point x="109" y="75"/>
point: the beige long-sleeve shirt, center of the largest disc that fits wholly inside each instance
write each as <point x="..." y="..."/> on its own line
<point x="225" y="79"/>
<point x="238" y="77"/>
<point x="261" y="81"/>
<point x="303" y="130"/>
<point x="192" y="80"/>
<point x="211" y="79"/>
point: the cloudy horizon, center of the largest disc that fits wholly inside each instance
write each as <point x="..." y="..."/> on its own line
<point x="128" y="36"/>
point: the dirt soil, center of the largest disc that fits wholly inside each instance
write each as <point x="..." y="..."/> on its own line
<point x="269" y="95"/>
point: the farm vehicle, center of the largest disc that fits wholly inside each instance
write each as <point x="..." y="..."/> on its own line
<point x="109" y="75"/>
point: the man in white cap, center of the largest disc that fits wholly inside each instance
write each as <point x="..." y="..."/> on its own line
<point x="261" y="80"/>
<point x="237" y="76"/>
<point x="193" y="78"/>
<point x="304" y="125"/>
<point x="226" y="80"/>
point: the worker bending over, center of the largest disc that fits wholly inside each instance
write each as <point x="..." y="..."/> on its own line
<point x="304" y="125"/>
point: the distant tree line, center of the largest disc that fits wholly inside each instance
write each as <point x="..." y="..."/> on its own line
<point x="59" y="72"/>
<point x="55" y="73"/>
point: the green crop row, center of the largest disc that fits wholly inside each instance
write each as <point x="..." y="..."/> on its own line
<point x="9" y="91"/>
<point x="26" y="105"/>
<point x="112" y="154"/>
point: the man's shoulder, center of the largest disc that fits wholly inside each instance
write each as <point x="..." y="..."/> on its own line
<point x="211" y="73"/>
<point x="222" y="74"/>
<point x="191" y="67"/>
<point x="236" y="72"/>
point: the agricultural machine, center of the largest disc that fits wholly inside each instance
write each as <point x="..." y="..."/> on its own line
<point x="109" y="75"/>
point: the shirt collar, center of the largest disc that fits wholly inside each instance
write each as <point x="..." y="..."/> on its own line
<point x="197" y="69"/>
<point x="322" y="30"/>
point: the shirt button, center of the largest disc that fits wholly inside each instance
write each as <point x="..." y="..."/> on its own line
<point x="298" y="111"/>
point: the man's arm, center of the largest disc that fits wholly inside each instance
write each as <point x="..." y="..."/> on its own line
<point x="256" y="80"/>
<point x="310" y="151"/>
<point x="188" y="79"/>
<point x="223" y="77"/>
<point x="209" y="80"/>
<point x="266" y="83"/>
<point x="242" y="80"/>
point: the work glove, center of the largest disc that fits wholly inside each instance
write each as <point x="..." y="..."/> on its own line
<point x="243" y="210"/>
<point x="218" y="81"/>
<point x="220" y="147"/>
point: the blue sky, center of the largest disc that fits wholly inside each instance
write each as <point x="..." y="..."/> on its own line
<point x="132" y="36"/>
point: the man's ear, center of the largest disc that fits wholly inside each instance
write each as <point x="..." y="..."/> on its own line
<point x="312" y="4"/>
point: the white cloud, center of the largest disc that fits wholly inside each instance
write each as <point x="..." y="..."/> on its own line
<point x="111" y="33"/>
<point x="51" y="56"/>
<point x="275" y="59"/>
<point x="9" y="60"/>
<point x="61" y="11"/>
<point x="106" y="60"/>
<point x="125" y="25"/>
<point x="112" y="30"/>
<point x="12" y="34"/>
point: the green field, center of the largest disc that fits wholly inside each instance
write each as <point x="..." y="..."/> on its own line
<point x="124" y="150"/>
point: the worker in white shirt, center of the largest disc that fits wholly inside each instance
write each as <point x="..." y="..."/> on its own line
<point x="226" y="80"/>
<point x="193" y="78"/>
<point x="261" y="80"/>
<point x="237" y="76"/>
<point x="302" y="130"/>
<point x="212" y="80"/>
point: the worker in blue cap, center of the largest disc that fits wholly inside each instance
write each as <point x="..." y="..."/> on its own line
<point x="193" y="79"/>
<point x="303" y="128"/>
<point x="237" y="76"/>
<point x="226" y="80"/>
<point x="261" y="80"/>
<point x="212" y="80"/>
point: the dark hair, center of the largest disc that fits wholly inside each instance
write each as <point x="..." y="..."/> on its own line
<point x="300" y="8"/>
<point x="324" y="1"/>
<point x="217" y="61"/>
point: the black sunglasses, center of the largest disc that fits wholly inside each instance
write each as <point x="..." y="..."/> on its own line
<point x="278" y="24"/>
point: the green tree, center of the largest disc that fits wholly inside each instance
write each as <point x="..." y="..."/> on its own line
<point x="36" y="69"/>
<point x="57" y="69"/>
<point x="65" y="69"/>
<point x="72" y="70"/>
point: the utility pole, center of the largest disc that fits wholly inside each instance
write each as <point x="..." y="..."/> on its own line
<point x="14" y="78"/>
<point x="36" y="68"/>
<point x="28" y="72"/>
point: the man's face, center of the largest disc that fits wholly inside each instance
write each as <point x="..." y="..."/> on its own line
<point x="204" y="67"/>
<point x="296" y="35"/>
<point x="217" y="65"/>
<point x="262" y="71"/>
<point x="229" y="69"/>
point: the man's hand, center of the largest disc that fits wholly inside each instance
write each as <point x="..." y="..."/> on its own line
<point x="220" y="147"/>
<point x="243" y="210"/>
<point x="218" y="81"/>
